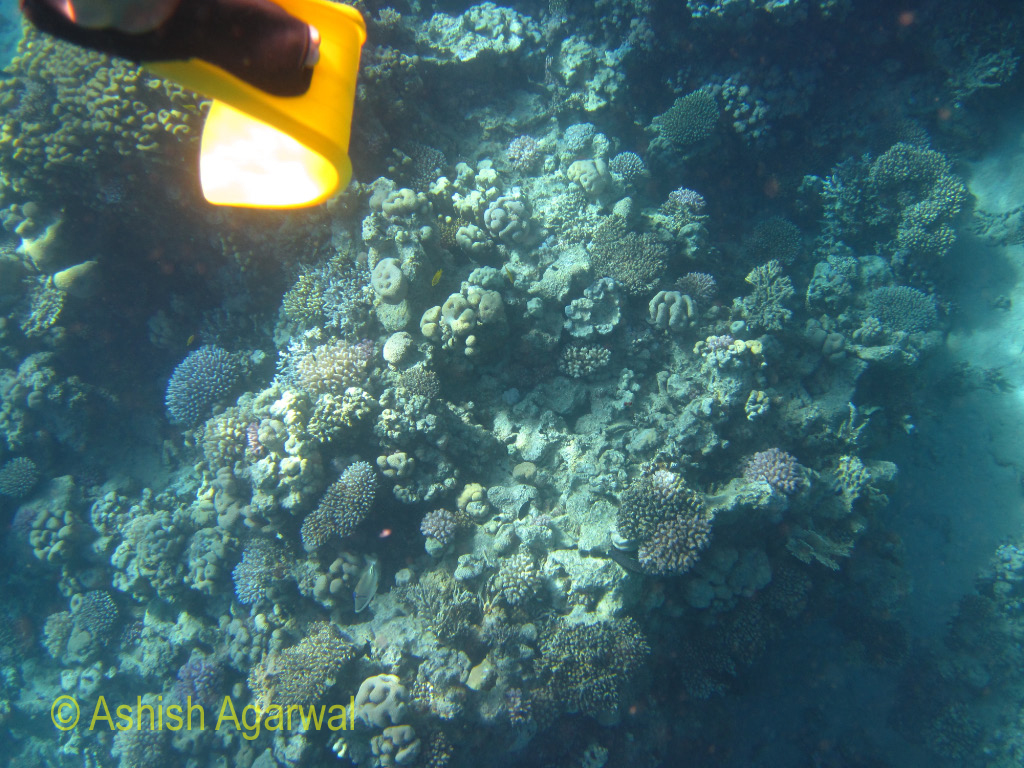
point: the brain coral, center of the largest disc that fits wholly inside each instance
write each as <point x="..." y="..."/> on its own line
<point x="344" y="505"/>
<point x="380" y="701"/>
<point x="198" y="383"/>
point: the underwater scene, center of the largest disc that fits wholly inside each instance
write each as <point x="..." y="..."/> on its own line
<point x="653" y="395"/>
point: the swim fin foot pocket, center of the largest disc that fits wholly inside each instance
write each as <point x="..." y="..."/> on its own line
<point x="255" y="40"/>
<point x="277" y="133"/>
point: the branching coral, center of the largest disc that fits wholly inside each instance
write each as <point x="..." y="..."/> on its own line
<point x="666" y="519"/>
<point x="345" y="504"/>
<point x="303" y="673"/>
<point x="198" y="383"/>
<point x="588" y="667"/>
<point x="900" y="308"/>
<point x="633" y="261"/>
<point x="689" y="120"/>
<point x="333" y="367"/>
<point x="764" y="308"/>
<point x="775" y="467"/>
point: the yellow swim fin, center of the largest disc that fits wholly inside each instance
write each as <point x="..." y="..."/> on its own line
<point x="264" y="151"/>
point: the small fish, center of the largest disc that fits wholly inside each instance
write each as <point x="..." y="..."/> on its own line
<point x="366" y="587"/>
<point x="436" y="278"/>
<point x="190" y="340"/>
<point x="626" y="561"/>
<point x="508" y="274"/>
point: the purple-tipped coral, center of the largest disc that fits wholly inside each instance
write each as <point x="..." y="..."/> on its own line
<point x="200" y="678"/>
<point x="676" y="544"/>
<point x="777" y="468"/>
<point x="440" y="524"/>
<point x="685" y="203"/>
<point x="699" y="286"/>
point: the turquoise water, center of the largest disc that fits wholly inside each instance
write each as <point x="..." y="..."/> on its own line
<point x="652" y="396"/>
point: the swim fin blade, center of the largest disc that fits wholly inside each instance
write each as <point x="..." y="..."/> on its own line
<point x="264" y="151"/>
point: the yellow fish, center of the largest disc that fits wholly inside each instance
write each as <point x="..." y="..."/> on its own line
<point x="436" y="278"/>
<point x="509" y="275"/>
<point x="190" y="340"/>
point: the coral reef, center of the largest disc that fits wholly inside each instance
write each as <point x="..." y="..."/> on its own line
<point x="497" y="448"/>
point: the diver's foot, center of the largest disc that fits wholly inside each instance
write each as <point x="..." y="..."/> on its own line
<point x="313" y="55"/>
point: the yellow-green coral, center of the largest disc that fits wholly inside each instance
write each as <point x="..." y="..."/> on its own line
<point x="304" y="301"/>
<point x="64" y="107"/>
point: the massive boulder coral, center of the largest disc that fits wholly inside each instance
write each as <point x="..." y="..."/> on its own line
<point x="150" y="560"/>
<point x="484" y="29"/>
<point x="381" y="701"/>
<point x="507" y="218"/>
<point x="671" y="310"/>
<point x="471" y="320"/>
<point x="290" y="470"/>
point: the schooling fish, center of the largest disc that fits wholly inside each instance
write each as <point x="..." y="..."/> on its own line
<point x="366" y="587"/>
